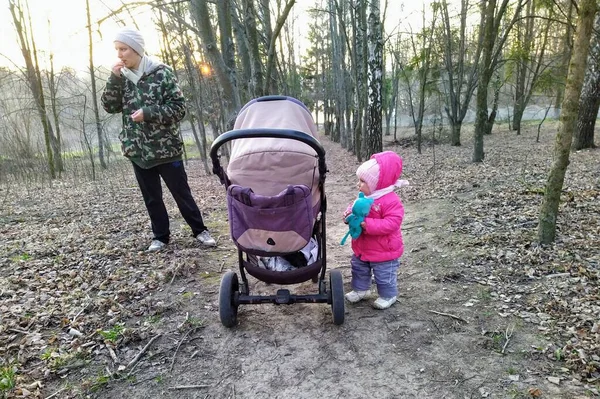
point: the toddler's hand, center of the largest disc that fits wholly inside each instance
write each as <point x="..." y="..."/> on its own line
<point x="346" y="213"/>
<point x="363" y="225"/>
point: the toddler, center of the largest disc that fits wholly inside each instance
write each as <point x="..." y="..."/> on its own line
<point x="378" y="248"/>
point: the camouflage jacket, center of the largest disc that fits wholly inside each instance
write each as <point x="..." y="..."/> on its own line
<point x="158" y="94"/>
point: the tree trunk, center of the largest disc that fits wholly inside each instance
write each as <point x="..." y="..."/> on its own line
<point x="461" y="74"/>
<point x="492" y="44"/>
<point x="336" y="75"/>
<point x="567" y="51"/>
<point x="485" y="75"/>
<point x="270" y="83"/>
<point x="567" y="123"/>
<point x="231" y="95"/>
<point x="226" y="40"/>
<point x="359" y="27"/>
<point x="94" y="91"/>
<point x="363" y="92"/>
<point x="589" y="101"/>
<point x="88" y="145"/>
<point x="375" y="61"/>
<point x="34" y="78"/>
<point x="57" y="143"/>
<point x="192" y="74"/>
<point x="423" y="79"/>
<point x="525" y="39"/>
<point x="492" y="116"/>
<point x="242" y="55"/>
<point x="256" y="80"/>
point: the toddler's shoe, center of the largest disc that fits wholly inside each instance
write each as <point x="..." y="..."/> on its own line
<point x="384" y="303"/>
<point x="356" y="296"/>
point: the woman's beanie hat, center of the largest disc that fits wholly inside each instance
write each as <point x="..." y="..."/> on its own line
<point x="132" y="38"/>
<point x="369" y="172"/>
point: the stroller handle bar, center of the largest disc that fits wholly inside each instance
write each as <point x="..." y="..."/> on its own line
<point x="265" y="133"/>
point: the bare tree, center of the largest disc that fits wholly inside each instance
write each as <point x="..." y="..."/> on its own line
<point x="460" y="67"/>
<point x="34" y="78"/>
<point x="422" y="52"/>
<point x="257" y="75"/>
<point x="567" y="124"/>
<point x="567" y="49"/>
<point x="231" y="96"/>
<point x="92" y="70"/>
<point x="589" y="102"/>
<point x="53" y="91"/>
<point x="492" y="43"/>
<point x="528" y="56"/>
<point x="270" y="85"/>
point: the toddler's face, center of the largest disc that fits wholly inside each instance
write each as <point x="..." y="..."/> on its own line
<point x="363" y="187"/>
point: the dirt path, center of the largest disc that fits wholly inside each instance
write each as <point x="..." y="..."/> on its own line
<point x="435" y="343"/>
<point x="445" y="338"/>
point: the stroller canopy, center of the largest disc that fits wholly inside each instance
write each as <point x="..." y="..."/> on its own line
<point x="269" y="165"/>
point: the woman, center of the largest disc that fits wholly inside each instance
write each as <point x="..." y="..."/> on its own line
<point x="148" y="96"/>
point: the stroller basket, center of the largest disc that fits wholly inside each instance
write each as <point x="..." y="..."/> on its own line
<point x="276" y="205"/>
<point x="270" y="226"/>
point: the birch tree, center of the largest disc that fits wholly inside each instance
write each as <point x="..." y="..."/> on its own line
<point x="360" y="68"/>
<point x="336" y="72"/>
<point x="375" y="61"/>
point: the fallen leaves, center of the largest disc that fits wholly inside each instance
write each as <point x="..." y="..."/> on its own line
<point x="72" y="263"/>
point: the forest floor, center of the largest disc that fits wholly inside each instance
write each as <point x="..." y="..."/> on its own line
<point x="484" y="312"/>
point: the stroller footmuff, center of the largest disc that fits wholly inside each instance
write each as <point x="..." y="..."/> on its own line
<point x="276" y="206"/>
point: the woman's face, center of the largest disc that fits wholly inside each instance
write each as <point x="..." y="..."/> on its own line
<point x="130" y="58"/>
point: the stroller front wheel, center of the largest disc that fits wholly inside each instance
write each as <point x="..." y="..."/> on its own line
<point x="228" y="294"/>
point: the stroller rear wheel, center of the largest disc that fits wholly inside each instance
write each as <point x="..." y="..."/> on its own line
<point x="228" y="294"/>
<point x="336" y="292"/>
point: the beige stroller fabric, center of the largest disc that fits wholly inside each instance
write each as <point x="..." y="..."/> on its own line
<point x="269" y="165"/>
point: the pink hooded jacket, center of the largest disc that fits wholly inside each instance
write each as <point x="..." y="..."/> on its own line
<point x="381" y="239"/>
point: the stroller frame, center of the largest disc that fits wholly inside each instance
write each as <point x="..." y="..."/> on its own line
<point x="233" y="292"/>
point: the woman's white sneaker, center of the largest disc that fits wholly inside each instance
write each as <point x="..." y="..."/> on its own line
<point x="384" y="303"/>
<point x="206" y="239"/>
<point x="356" y="296"/>
<point x="156" y="245"/>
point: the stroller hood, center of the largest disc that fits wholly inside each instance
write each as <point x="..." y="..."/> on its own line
<point x="269" y="165"/>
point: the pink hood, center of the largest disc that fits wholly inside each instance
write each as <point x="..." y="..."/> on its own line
<point x="390" y="168"/>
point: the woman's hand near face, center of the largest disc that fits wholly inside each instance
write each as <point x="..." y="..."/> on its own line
<point x="116" y="68"/>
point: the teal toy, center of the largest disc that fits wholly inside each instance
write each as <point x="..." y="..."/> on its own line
<point x="360" y="210"/>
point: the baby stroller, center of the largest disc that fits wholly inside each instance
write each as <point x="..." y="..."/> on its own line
<point x="276" y="205"/>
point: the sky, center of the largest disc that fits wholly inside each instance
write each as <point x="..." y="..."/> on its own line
<point x="66" y="34"/>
